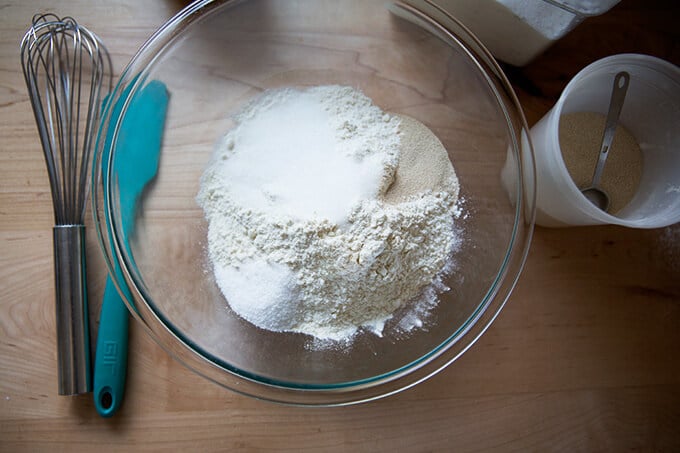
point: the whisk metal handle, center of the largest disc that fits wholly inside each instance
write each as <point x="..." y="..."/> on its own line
<point x="73" y="336"/>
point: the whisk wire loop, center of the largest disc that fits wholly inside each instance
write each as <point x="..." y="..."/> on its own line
<point x="65" y="67"/>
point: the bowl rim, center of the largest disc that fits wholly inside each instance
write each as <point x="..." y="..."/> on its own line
<point x="425" y="14"/>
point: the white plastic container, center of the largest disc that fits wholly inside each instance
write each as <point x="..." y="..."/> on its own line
<point x="651" y="112"/>
<point x="517" y="31"/>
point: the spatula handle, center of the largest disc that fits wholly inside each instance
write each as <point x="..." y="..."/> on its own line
<point x="110" y="365"/>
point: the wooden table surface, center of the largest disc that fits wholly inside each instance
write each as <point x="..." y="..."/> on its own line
<point x="585" y="356"/>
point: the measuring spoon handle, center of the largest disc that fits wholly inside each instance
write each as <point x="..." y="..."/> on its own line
<point x="619" y="89"/>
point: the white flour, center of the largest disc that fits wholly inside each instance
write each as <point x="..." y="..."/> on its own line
<point x="301" y="236"/>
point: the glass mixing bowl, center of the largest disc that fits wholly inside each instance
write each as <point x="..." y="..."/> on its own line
<point x="216" y="55"/>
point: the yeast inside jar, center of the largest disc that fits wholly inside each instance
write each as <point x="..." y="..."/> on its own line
<point x="580" y="135"/>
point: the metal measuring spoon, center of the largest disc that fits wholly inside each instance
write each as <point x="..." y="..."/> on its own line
<point x="594" y="193"/>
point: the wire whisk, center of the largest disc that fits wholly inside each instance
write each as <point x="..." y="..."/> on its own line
<point x="66" y="68"/>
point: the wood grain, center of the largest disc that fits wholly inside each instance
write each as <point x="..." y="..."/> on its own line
<point x="585" y="356"/>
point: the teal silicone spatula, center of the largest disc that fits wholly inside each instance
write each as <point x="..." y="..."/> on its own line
<point x="136" y="164"/>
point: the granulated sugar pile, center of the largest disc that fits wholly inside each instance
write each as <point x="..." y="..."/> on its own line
<point x="326" y="214"/>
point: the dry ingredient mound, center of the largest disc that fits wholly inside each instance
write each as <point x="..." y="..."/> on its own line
<point x="322" y="219"/>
